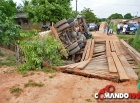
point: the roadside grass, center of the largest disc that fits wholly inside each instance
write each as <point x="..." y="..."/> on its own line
<point x="125" y="37"/>
<point x="8" y="63"/>
<point x="31" y="83"/>
<point x="1" y="54"/>
<point x="50" y="70"/>
<point x="7" y="60"/>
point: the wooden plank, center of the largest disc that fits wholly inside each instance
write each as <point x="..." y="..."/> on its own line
<point x="131" y="48"/>
<point x="116" y="48"/>
<point x="112" y="67"/>
<point x="112" y="46"/>
<point x="137" y="59"/>
<point x="108" y="50"/>
<point x="91" y="49"/>
<point x="83" y="64"/>
<point x="88" y="50"/>
<point x="93" y="75"/>
<point x="121" y="71"/>
<point x="73" y="66"/>
<point x="57" y="37"/>
<point x="85" y="51"/>
<point x="129" y="70"/>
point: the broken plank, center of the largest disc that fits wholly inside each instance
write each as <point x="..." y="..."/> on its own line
<point x="91" y="49"/>
<point x="88" y="50"/>
<point x="120" y="68"/>
<point x="118" y="52"/>
<point x="112" y="46"/>
<point x="83" y="64"/>
<point x="129" y="70"/>
<point x="85" y="51"/>
<point x="108" y="50"/>
<point x="111" y="64"/>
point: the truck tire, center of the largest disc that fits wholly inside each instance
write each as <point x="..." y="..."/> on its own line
<point x="79" y="41"/>
<point x="71" y="24"/>
<point x="64" y="26"/>
<point x="60" y="23"/>
<point x="70" y="20"/>
<point x="81" y="45"/>
<point x="75" y="50"/>
<point x="73" y="34"/>
<point x="84" y="38"/>
<point x="72" y="46"/>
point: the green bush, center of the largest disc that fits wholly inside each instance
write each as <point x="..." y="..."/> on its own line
<point x="38" y="50"/>
<point x="136" y="41"/>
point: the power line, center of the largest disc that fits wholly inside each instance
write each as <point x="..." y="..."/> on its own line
<point x="111" y="4"/>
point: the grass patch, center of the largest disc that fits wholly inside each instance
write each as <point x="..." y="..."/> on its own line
<point x="48" y="70"/>
<point x="52" y="75"/>
<point x="24" y="74"/>
<point x="125" y="37"/>
<point x="1" y="54"/>
<point x="88" y="100"/>
<point x="31" y="83"/>
<point x="16" y="90"/>
<point x="8" y="63"/>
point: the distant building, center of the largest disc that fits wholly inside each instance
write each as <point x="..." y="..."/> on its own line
<point x="135" y="20"/>
<point x="119" y="20"/>
<point x="22" y="20"/>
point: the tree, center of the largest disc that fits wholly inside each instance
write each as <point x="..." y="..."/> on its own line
<point x="9" y="31"/>
<point x="22" y="8"/>
<point x="89" y="15"/>
<point x="8" y="7"/>
<point x="115" y="16"/>
<point x="51" y="10"/>
<point x="128" y="16"/>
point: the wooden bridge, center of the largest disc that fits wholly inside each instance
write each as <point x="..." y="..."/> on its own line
<point x="106" y="57"/>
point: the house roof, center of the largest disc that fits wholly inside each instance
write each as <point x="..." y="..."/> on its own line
<point x="21" y="15"/>
<point x="135" y="18"/>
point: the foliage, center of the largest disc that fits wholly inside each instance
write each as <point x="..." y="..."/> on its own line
<point x="22" y="8"/>
<point x="115" y="16"/>
<point x="9" y="31"/>
<point x="89" y="15"/>
<point x="128" y="16"/>
<point x="136" y="42"/>
<point x="115" y="26"/>
<point x="37" y="50"/>
<point x="8" y="7"/>
<point x="51" y="10"/>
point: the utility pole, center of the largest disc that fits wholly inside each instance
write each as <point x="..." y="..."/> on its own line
<point x="76" y="8"/>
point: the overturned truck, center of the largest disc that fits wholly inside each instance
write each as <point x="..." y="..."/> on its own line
<point x="72" y="33"/>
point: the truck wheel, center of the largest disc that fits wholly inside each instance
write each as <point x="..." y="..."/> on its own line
<point x="72" y="46"/>
<point x="60" y="23"/>
<point x="79" y="41"/>
<point x="75" y="50"/>
<point x="84" y="38"/>
<point x="70" y="20"/>
<point x="71" y="24"/>
<point x="64" y="26"/>
<point x="81" y="45"/>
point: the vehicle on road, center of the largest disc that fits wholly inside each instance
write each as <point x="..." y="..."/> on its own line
<point x="91" y="26"/>
<point x="131" y="28"/>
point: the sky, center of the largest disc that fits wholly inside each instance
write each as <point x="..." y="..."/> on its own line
<point x="104" y="8"/>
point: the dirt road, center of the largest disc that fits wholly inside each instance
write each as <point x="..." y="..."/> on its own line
<point x="62" y="88"/>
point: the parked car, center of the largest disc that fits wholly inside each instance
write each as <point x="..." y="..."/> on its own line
<point x="91" y="26"/>
<point x="131" y="28"/>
